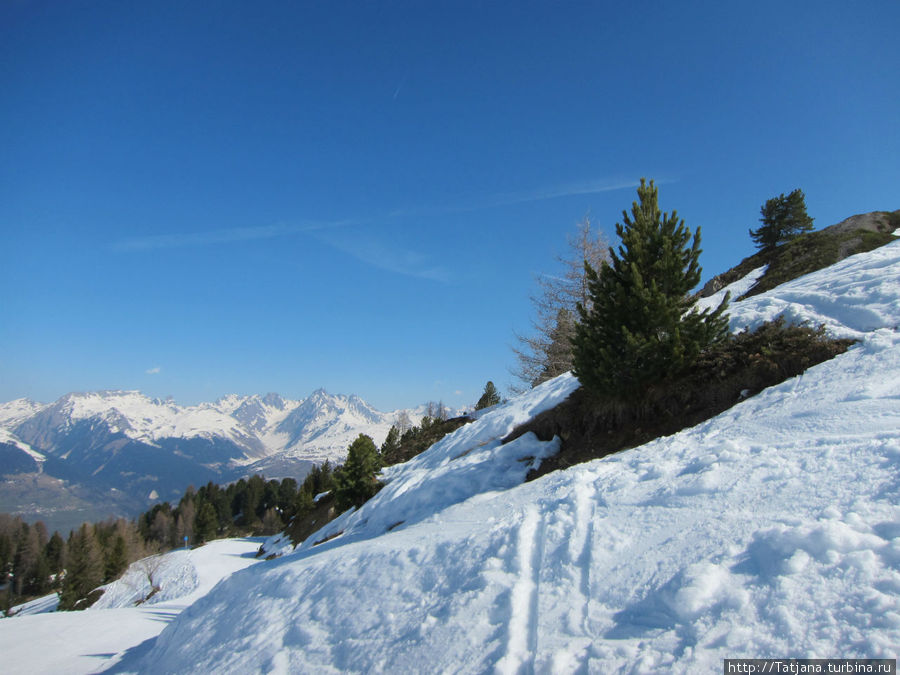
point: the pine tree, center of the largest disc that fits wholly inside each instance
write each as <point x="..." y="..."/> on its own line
<point x="391" y="447"/>
<point x="206" y="523"/>
<point x="116" y="558"/>
<point x="55" y="552"/>
<point x="641" y="327"/>
<point x="490" y="397"/>
<point x="354" y="482"/>
<point x="783" y="218"/>
<point x="84" y="569"/>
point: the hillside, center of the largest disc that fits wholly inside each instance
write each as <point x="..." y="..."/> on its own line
<point x="770" y="530"/>
<point x="808" y="253"/>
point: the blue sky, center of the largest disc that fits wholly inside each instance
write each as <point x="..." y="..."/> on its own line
<point x="205" y="198"/>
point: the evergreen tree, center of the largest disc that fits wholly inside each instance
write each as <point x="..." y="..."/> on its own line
<point x="6" y="556"/>
<point x="355" y="482"/>
<point x="783" y="218"/>
<point x="391" y="447"/>
<point x="84" y="569"/>
<point x="303" y="502"/>
<point x="206" y="523"/>
<point x="116" y="558"/>
<point x="642" y="326"/>
<point x="489" y="397"/>
<point x="55" y="552"/>
<point x="39" y="583"/>
<point x="28" y="549"/>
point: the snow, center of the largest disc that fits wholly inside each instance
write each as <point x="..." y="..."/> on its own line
<point x="114" y="629"/>
<point x="852" y="298"/>
<point x="14" y="412"/>
<point x="771" y="530"/>
<point x="737" y="289"/>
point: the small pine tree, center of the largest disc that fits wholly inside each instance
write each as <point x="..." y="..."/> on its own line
<point x="490" y="397"/>
<point x="783" y="218"/>
<point x="354" y="482"/>
<point x="642" y="327"/>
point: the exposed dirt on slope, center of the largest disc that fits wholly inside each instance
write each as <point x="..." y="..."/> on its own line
<point x="590" y="428"/>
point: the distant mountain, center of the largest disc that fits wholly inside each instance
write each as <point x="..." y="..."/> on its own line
<point x="147" y="449"/>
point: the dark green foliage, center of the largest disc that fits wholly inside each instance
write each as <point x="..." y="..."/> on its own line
<point x="318" y="481"/>
<point x="206" y="523"/>
<point x="116" y="559"/>
<point x="391" y="445"/>
<point x="84" y="570"/>
<point x="25" y="556"/>
<point x="6" y="556"/>
<point x="55" y="552"/>
<point x="490" y="397"/>
<point x="782" y="218"/>
<point x="641" y="328"/>
<point x="354" y="482"/>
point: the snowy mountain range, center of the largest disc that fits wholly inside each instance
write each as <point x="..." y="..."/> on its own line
<point x="123" y="448"/>
<point x="769" y="531"/>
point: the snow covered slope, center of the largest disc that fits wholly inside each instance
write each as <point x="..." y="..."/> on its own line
<point x="771" y="530"/>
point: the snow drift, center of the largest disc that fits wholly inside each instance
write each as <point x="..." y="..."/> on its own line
<point x="771" y="530"/>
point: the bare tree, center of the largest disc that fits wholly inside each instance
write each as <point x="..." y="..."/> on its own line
<point x="546" y="351"/>
<point x="404" y="424"/>
<point x="146" y="570"/>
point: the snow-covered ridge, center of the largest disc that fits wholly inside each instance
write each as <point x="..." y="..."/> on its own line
<point x="10" y="439"/>
<point x="317" y="428"/>
<point x="771" y="530"/>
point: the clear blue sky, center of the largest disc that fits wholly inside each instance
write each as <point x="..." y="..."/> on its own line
<point x="213" y="197"/>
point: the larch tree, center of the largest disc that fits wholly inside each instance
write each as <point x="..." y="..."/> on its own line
<point x="546" y="351"/>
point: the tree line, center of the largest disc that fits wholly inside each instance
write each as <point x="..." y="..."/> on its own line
<point x="34" y="563"/>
